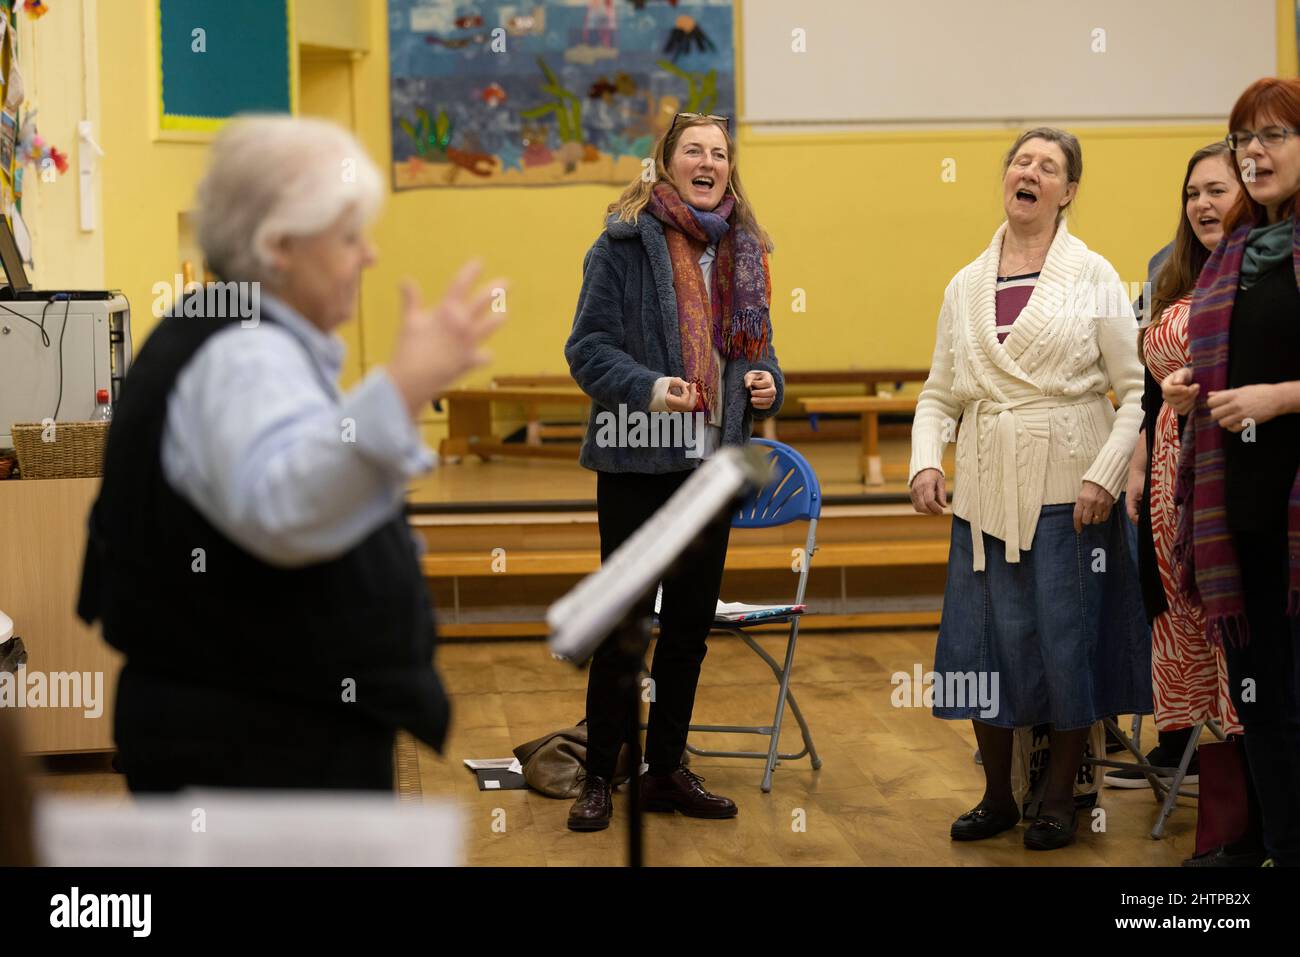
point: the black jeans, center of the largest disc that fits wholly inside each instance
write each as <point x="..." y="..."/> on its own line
<point x="623" y="503"/>
<point x="1270" y="661"/>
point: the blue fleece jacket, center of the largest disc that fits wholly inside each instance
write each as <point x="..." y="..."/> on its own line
<point x="625" y="336"/>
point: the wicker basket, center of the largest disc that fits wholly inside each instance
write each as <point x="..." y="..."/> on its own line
<point x="76" y="452"/>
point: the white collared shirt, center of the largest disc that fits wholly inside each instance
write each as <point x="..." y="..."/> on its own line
<point x="262" y="443"/>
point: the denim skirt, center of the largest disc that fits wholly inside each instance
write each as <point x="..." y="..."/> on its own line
<point x="1060" y="637"/>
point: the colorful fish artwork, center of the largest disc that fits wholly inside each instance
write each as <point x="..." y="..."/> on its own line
<point x="468" y="18"/>
<point x="602" y="88"/>
<point x="521" y="24"/>
<point x="511" y="156"/>
<point x="480" y="164"/>
<point x="536" y="152"/>
<point x="619" y="145"/>
<point x="548" y="92"/>
<point x="494" y="94"/>
<point x="686" y="33"/>
<point x="606" y="89"/>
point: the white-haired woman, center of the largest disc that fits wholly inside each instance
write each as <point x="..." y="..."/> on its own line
<point x="248" y="552"/>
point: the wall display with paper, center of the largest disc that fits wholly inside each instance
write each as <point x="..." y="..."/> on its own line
<point x="220" y="59"/>
<point x="548" y="92"/>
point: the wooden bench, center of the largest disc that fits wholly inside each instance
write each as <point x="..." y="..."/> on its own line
<point x="469" y="421"/>
<point x="454" y="566"/>
<point x="869" y="380"/>
<point x="739" y="557"/>
<point x="869" y="407"/>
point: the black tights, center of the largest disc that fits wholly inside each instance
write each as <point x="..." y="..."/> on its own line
<point x="1066" y="756"/>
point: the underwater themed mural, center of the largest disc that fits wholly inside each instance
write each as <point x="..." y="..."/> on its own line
<point x="548" y="92"/>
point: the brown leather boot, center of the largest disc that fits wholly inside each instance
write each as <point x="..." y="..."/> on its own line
<point x="594" y="807"/>
<point x="683" y="790"/>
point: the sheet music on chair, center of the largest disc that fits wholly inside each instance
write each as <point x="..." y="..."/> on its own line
<point x="582" y="619"/>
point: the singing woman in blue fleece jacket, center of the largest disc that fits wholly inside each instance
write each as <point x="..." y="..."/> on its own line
<point x="673" y="318"/>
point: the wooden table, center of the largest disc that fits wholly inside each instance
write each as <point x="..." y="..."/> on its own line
<point x="865" y="377"/>
<point x="868" y="379"/>
<point x="469" y="421"/>
<point x="869" y="407"/>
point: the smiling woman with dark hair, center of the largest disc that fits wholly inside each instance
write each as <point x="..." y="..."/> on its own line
<point x="1189" y="679"/>
<point x="1041" y="593"/>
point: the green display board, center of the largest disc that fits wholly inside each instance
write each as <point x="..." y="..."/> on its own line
<point x="218" y="58"/>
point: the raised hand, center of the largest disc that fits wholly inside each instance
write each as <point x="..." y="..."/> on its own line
<point x="436" y="345"/>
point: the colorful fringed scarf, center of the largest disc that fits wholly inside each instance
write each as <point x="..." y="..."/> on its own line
<point x="735" y="320"/>
<point x="1203" y="544"/>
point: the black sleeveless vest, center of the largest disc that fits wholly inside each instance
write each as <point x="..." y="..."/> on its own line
<point x="357" y="627"/>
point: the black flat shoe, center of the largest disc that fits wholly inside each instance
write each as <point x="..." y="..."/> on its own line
<point x="1222" y="857"/>
<point x="1047" y="833"/>
<point x="981" y="822"/>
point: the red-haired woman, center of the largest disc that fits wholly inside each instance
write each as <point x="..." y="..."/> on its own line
<point x="1239" y="533"/>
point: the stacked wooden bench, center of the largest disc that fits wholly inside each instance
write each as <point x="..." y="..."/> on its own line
<point x="532" y="563"/>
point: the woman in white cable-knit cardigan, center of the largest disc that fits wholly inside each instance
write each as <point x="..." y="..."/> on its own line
<point x="1042" y="611"/>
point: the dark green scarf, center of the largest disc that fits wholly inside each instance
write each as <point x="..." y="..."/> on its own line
<point x="1266" y="247"/>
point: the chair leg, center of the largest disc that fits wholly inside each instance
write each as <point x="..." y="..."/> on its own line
<point x="803" y="727"/>
<point x="782" y="677"/>
<point x="1171" y="799"/>
<point x="1157" y="787"/>
<point x="775" y="740"/>
<point x="785" y="696"/>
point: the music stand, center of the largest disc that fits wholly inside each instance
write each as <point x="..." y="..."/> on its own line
<point x="602" y="605"/>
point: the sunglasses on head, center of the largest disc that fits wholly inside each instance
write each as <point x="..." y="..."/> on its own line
<point x="724" y="120"/>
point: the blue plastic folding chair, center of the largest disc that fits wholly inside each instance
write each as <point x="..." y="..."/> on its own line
<point x="792" y="494"/>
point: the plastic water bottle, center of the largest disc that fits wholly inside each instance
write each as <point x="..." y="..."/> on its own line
<point x="103" y="411"/>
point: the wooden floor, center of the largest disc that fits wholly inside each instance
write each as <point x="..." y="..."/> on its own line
<point x="891" y="783"/>
<point x="513" y="480"/>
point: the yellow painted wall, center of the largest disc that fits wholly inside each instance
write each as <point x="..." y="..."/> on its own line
<point x="863" y="222"/>
<point x="325" y="89"/>
<point x="866" y="225"/>
<point x="146" y="183"/>
<point x="337" y="24"/>
<point x="55" y="54"/>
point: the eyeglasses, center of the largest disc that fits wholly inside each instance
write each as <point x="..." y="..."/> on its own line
<point x="1269" y="137"/>
<point x="724" y="120"/>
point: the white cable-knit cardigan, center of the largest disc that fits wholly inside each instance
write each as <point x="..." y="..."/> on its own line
<point x="1035" y="421"/>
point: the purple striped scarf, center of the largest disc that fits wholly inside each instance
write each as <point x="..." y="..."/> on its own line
<point x="1203" y="544"/>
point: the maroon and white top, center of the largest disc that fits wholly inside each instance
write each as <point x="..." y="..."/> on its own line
<point x="1013" y="294"/>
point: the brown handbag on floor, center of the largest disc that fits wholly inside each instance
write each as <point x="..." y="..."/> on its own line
<point x="553" y="764"/>
<point x="13" y="655"/>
